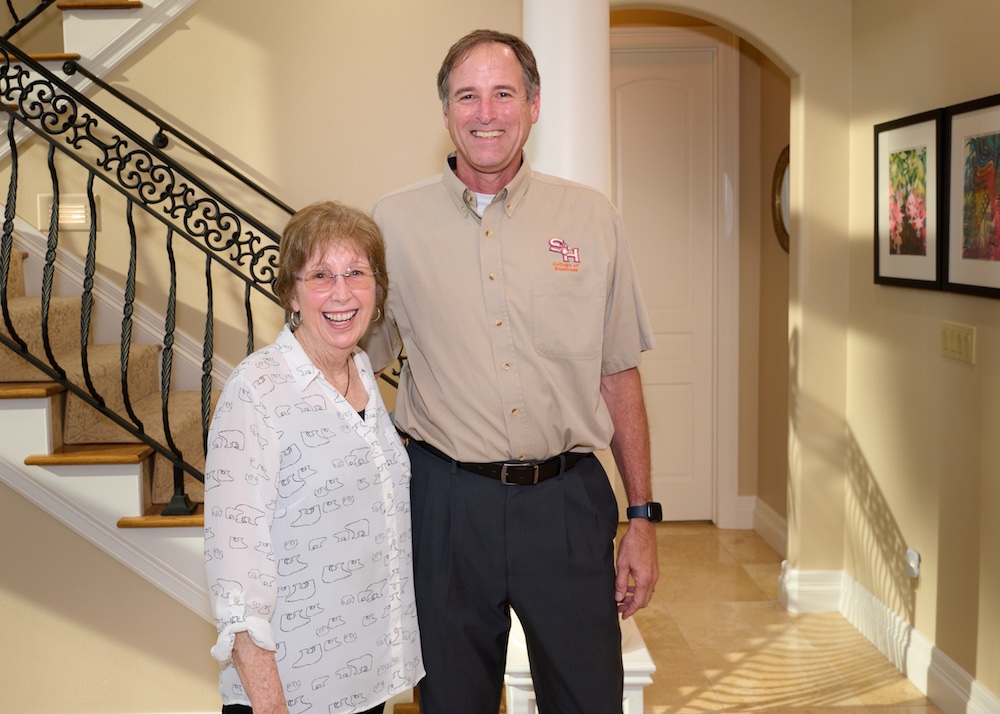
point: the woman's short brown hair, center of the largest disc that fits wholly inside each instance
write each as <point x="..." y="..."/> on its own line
<point x="315" y="228"/>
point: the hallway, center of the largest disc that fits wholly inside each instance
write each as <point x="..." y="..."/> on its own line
<point x="721" y="642"/>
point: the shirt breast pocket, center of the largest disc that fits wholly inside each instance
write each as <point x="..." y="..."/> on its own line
<point x="568" y="318"/>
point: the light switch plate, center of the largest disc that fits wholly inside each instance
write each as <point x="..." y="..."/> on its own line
<point x="958" y="342"/>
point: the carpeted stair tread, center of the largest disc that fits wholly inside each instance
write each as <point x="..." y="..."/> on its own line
<point x="82" y="423"/>
<point x="185" y="428"/>
<point x="15" y="276"/>
<point x="26" y="315"/>
<point x="87" y="433"/>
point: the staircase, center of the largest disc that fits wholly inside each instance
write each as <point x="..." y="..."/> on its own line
<point x="88" y="437"/>
<point x="106" y="387"/>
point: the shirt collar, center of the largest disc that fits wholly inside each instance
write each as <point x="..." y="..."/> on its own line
<point x="465" y="198"/>
<point x="301" y="367"/>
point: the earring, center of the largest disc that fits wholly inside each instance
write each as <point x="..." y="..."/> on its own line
<point x="378" y="316"/>
<point x="294" y="320"/>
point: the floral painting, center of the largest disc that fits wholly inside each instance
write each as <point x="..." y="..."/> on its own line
<point x="907" y="197"/>
<point x="981" y="202"/>
<point x="908" y="202"/>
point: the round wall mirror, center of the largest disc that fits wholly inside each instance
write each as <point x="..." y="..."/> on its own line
<point x="779" y="199"/>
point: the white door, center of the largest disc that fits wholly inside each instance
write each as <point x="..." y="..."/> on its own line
<point x="665" y="176"/>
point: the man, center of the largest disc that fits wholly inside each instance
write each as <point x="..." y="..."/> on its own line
<point x="515" y="298"/>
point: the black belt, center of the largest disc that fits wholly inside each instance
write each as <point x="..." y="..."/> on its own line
<point x="511" y="473"/>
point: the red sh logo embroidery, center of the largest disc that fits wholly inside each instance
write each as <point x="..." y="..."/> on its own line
<point x="558" y="245"/>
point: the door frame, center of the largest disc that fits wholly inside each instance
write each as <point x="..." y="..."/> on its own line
<point x="730" y="510"/>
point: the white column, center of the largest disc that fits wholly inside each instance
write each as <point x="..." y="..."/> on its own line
<point x="571" y="42"/>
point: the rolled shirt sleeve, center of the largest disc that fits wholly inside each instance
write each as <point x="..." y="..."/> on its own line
<point x="240" y="487"/>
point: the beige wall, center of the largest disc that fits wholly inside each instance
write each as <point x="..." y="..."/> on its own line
<point x="890" y="445"/>
<point x="82" y="633"/>
<point x="764" y="111"/>
<point x="925" y="456"/>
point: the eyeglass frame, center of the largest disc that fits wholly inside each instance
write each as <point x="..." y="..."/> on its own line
<point x="333" y="280"/>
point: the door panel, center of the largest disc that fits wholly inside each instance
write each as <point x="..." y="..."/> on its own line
<point x="663" y="124"/>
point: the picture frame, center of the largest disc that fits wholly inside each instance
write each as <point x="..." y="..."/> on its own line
<point x="971" y="262"/>
<point x="908" y="187"/>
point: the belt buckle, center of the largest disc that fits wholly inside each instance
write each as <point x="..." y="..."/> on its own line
<point x="503" y="474"/>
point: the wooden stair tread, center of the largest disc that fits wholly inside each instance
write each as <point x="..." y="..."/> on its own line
<point x="99" y="5"/>
<point x="92" y="454"/>
<point x="50" y="57"/>
<point x="152" y="519"/>
<point x="29" y="390"/>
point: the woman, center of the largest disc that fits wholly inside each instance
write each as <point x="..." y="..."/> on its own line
<point x="307" y="525"/>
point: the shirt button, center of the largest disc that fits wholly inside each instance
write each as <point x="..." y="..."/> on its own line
<point x="515" y="411"/>
<point x="499" y="322"/>
<point x="493" y="276"/>
<point x="521" y="457"/>
<point x="506" y="366"/>
<point x="489" y="234"/>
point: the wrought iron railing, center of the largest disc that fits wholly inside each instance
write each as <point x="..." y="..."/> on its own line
<point x="19" y="21"/>
<point x="154" y="190"/>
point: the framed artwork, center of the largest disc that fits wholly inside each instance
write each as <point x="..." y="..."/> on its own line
<point x="907" y="187"/>
<point x="972" y="257"/>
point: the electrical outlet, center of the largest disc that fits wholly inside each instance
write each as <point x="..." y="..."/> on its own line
<point x="958" y="342"/>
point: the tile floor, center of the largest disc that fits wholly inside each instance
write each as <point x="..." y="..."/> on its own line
<point x="721" y="642"/>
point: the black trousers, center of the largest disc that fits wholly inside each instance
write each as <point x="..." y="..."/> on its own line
<point x="547" y="551"/>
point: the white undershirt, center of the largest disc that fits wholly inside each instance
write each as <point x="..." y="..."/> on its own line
<point x="483" y="200"/>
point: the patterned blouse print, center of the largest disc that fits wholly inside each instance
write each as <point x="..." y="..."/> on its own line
<point x="307" y="535"/>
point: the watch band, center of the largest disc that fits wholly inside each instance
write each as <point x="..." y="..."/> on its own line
<point x="651" y="511"/>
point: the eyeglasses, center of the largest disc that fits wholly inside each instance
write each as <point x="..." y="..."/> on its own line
<point x="323" y="280"/>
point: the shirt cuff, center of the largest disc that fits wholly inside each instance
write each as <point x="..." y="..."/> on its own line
<point x="260" y="632"/>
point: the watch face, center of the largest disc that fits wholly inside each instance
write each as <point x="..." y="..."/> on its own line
<point x="655" y="511"/>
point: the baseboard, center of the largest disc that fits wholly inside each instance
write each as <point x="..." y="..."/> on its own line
<point x="771" y="526"/>
<point x="936" y="675"/>
<point x="933" y="672"/>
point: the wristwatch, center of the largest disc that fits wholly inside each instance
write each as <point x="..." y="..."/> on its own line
<point x="652" y="511"/>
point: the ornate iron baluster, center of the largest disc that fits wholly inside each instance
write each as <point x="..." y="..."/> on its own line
<point x="87" y="298"/>
<point x="166" y="370"/>
<point x="7" y="244"/>
<point x="126" y="343"/>
<point x="20" y="24"/>
<point x="249" y="311"/>
<point x="48" y="271"/>
<point x="208" y="349"/>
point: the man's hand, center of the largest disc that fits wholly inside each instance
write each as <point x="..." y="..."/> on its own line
<point x="636" y="562"/>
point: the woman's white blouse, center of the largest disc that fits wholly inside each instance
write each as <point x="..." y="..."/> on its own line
<point x="308" y="542"/>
